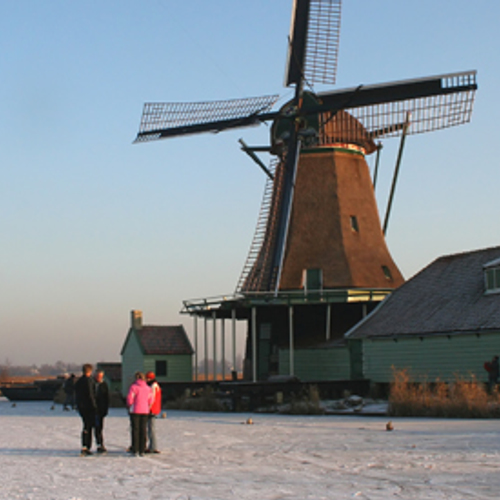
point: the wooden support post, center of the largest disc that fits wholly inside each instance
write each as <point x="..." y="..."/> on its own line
<point x="396" y="172"/>
<point x="206" y="348"/>
<point x="328" y="321"/>
<point x="233" y="327"/>
<point x="377" y="160"/>
<point x="214" y="319"/>
<point x="290" y="324"/>
<point x="254" y="344"/>
<point x="195" y="347"/>
<point x="223" y="348"/>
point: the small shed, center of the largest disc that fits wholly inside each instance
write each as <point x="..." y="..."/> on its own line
<point x="112" y="374"/>
<point x="165" y="350"/>
<point x="442" y="323"/>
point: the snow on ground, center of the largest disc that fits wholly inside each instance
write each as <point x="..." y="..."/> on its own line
<point x="217" y="456"/>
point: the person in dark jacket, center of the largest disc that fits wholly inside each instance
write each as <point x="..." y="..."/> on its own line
<point x="87" y="406"/>
<point x="102" y="402"/>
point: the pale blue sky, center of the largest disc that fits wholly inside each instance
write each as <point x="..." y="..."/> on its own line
<point x="93" y="226"/>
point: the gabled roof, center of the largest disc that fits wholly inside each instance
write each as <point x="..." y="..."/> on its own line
<point x="161" y="340"/>
<point x="112" y="370"/>
<point x="447" y="297"/>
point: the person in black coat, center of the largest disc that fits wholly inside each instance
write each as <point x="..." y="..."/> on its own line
<point x="87" y="406"/>
<point x="102" y="401"/>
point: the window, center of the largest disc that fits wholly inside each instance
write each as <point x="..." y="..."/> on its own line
<point x="354" y="224"/>
<point x="312" y="279"/>
<point x="387" y="273"/>
<point x="161" y="368"/>
<point x="265" y="331"/>
<point x="492" y="280"/>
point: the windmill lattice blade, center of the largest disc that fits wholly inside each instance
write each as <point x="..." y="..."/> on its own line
<point x="320" y="65"/>
<point x="314" y="41"/>
<point x="160" y="120"/>
<point x="434" y="103"/>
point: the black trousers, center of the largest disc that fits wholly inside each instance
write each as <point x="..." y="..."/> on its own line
<point x="139" y="432"/>
<point x="88" y="419"/>
<point x="99" y="426"/>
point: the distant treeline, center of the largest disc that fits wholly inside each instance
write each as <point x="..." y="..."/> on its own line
<point x="60" y="367"/>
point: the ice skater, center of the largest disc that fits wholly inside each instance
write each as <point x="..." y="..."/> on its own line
<point x="155" y="411"/>
<point x="139" y="401"/>
<point x="87" y="406"/>
<point x="102" y="402"/>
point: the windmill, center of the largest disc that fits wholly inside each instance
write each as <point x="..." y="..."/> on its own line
<point x="319" y="232"/>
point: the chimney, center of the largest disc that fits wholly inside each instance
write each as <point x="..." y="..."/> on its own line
<point x="136" y="320"/>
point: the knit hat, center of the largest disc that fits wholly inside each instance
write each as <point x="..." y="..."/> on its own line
<point x="150" y="376"/>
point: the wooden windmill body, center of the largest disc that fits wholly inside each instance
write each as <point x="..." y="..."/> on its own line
<point x="319" y="261"/>
<point x="334" y="236"/>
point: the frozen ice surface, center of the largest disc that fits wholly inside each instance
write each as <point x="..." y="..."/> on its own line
<point x="217" y="456"/>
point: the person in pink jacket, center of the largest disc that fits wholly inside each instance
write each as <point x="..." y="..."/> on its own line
<point x="139" y="401"/>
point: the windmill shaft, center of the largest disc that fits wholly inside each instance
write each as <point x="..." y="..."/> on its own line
<point x="291" y="164"/>
<point x="286" y="209"/>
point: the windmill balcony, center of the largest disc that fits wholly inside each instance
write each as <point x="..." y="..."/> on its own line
<point x="223" y="305"/>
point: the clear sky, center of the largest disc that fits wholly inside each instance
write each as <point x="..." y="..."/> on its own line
<point x="93" y="226"/>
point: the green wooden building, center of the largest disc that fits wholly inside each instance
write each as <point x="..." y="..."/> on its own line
<point x="442" y="323"/>
<point x="327" y="361"/>
<point x="164" y="350"/>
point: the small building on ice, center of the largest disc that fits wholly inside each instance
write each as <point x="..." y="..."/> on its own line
<point x="442" y="323"/>
<point x="112" y="374"/>
<point x="164" y="350"/>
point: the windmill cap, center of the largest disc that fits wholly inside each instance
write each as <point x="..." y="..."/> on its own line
<point x="150" y="376"/>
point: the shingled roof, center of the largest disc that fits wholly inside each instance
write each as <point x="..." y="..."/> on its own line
<point x="163" y="340"/>
<point x="447" y="297"/>
<point x="111" y="369"/>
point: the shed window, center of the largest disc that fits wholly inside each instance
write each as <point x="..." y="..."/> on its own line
<point x="161" y="368"/>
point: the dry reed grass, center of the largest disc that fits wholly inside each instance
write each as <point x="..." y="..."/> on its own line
<point x="307" y="403"/>
<point x="462" y="398"/>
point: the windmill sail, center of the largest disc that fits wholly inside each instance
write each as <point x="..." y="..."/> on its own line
<point x="169" y="119"/>
<point x="435" y="103"/>
<point x="314" y="42"/>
